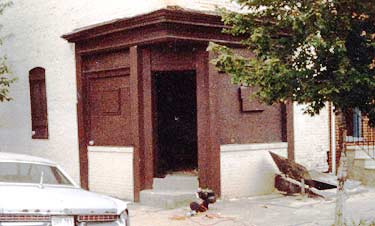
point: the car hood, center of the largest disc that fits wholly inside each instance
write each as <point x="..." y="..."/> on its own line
<point x="56" y="200"/>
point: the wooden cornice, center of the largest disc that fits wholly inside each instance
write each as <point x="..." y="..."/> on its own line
<point x="164" y="25"/>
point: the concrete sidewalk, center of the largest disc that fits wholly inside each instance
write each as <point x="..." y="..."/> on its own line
<point x="273" y="210"/>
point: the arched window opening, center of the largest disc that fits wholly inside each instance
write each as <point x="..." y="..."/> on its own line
<point x="38" y="100"/>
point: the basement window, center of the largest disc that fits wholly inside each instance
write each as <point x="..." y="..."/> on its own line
<point x="38" y="101"/>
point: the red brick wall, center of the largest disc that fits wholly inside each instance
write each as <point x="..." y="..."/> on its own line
<point x="368" y="135"/>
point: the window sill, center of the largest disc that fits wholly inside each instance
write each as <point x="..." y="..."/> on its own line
<point x="353" y="139"/>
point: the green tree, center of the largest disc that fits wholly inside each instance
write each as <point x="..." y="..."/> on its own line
<point x="5" y="80"/>
<point x="306" y="51"/>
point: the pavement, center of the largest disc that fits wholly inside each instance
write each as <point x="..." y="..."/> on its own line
<point x="271" y="210"/>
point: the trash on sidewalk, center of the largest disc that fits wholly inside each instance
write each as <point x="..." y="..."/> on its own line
<point x="207" y="196"/>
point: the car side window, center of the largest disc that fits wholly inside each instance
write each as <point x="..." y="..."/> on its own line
<point x="31" y="173"/>
<point x="50" y="175"/>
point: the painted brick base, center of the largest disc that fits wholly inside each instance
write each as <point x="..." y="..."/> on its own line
<point x="248" y="169"/>
<point x="111" y="171"/>
<point x="311" y="138"/>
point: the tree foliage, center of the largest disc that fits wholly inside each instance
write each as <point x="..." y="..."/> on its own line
<point x="5" y="80"/>
<point x="308" y="51"/>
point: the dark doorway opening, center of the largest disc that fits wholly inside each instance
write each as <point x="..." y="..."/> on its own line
<point x="176" y="120"/>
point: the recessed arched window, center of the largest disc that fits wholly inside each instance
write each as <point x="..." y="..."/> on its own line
<point x="38" y="100"/>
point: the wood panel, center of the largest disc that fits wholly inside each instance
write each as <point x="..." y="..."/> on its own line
<point x="101" y="106"/>
<point x="106" y="61"/>
<point x="81" y="121"/>
<point x="109" y="111"/>
<point x="38" y="102"/>
<point x="249" y="104"/>
<point x="171" y="15"/>
<point x="203" y="119"/>
<point x="136" y="118"/>
<point x="172" y="57"/>
<point x="214" y="95"/>
<point x="149" y="113"/>
<point x="290" y="130"/>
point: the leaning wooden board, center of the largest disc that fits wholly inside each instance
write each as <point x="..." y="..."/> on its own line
<point x="291" y="169"/>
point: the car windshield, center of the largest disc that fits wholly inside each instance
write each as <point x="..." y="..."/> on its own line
<point x="16" y="172"/>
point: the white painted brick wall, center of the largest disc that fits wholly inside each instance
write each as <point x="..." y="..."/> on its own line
<point x="111" y="171"/>
<point x="248" y="169"/>
<point x="311" y="138"/>
<point x="204" y="5"/>
<point x="32" y="31"/>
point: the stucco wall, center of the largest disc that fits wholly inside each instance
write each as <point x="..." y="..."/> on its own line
<point x="311" y="138"/>
<point x="32" y="31"/>
<point x="248" y="169"/>
<point x="111" y="171"/>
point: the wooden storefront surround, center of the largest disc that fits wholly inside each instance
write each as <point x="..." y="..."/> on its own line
<point x="146" y="38"/>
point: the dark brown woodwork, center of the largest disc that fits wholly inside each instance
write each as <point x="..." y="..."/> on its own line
<point x="107" y="61"/>
<point x="284" y="122"/>
<point x="171" y="57"/>
<point x="136" y="118"/>
<point x="81" y="121"/>
<point x="248" y="104"/>
<point x="149" y="132"/>
<point x="165" y="25"/>
<point x="214" y="151"/>
<point x="203" y="118"/>
<point x="38" y="102"/>
<point x="290" y="130"/>
<point x="115" y="63"/>
<point x="290" y="168"/>
<point x="107" y="88"/>
<point x="237" y="127"/>
<point x="109" y="106"/>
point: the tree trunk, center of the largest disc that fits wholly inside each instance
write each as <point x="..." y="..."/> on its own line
<point x="341" y="195"/>
<point x="342" y="175"/>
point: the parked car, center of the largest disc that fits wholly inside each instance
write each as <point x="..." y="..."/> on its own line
<point x="35" y="191"/>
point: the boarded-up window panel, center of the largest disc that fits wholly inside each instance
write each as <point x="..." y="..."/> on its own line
<point x="109" y="109"/>
<point x="38" y="101"/>
<point x="249" y="104"/>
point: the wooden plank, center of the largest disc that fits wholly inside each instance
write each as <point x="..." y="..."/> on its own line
<point x="214" y="163"/>
<point x="203" y="118"/>
<point x="290" y="168"/>
<point x="290" y="129"/>
<point x="148" y="120"/>
<point x="176" y="16"/>
<point x="81" y="122"/>
<point x="135" y="119"/>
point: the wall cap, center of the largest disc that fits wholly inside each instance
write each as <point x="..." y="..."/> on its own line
<point x="111" y="149"/>
<point x="253" y="147"/>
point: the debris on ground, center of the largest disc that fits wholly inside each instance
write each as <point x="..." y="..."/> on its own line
<point x="295" y="178"/>
<point x="269" y="210"/>
<point x="178" y="218"/>
<point x="207" y="196"/>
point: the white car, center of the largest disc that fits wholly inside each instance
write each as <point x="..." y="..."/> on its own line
<point x="37" y="192"/>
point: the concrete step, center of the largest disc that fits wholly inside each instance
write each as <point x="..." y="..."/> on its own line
<point x="176" y="183"/>
<point x="364" y="154"/>
<point x="166" y="199"/>
<point x="369" y="164"/>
